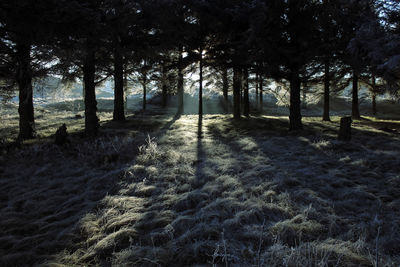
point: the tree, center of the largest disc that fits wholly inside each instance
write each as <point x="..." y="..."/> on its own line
<point x="246" y="104"/>
<point x="172" y="27"/>
<point x="118" y="18"/>
<point x="379" y="38"/>
<point x="82" y="53"/>
<point x="297" y="33"/>
<point x="26" y="27"/>
<point x="230" y="47"/>
<point x="360" y="12"/>
<point x="333" y="41"/>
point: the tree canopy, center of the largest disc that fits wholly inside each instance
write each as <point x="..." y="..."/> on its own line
<point x="296" y="42"/>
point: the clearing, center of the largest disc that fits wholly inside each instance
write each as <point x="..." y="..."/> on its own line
<point x="161" y="190"/>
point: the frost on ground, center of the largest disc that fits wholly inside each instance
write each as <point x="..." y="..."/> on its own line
<point x="181" y="192"/>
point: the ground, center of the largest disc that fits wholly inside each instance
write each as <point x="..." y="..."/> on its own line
<point x="162" y="190"/>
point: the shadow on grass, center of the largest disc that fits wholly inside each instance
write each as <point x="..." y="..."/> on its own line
<point x="149" y="212"/>
<point x="47" y="190"/>
<point x="317" y="171"/>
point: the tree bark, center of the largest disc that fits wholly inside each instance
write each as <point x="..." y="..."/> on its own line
<point x="125" y="88"/>
<point x="119" y="112"/>
<point x="144" y="91"/>
<point x="261" y="92"/>
<point x="225" y="84"/>
<point x="374" y="110"/>
<point x="326" y="116"/>
<point x="201" y="85"/>
<point x="91" y="120"/>
<point x="295" y="103"/>
<point x="237" y="83"/>
<point x="246" y="107"/>
<point x="257" y="90"/>
<point x="355" y="106"/>
<point x="164" y="86"/>
<point x="180" y="82"/>
<point x="24" y="81"/>
<point x="304" y="96"/>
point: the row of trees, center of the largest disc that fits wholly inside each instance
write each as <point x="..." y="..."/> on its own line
<point x="296" y="41"/>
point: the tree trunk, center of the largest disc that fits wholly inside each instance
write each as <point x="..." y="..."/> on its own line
<point x="326" y="116"/>
<point x="125" y="88"/>
<point x="295" y="103"/>
<point x="201" y="85"/>
<point x="119" y="112"/>
<point x="257" y="90"/>
<point x="355" y="108"/>
<point x="144" y="96"/>
<point x="225" y="84"/>
<point x="261" y="92"/>
<point x="374" y="110"/>
<point x="237" y="83"/>
<point x="164" y="86"/>
<point x="241" y="89"/>
<point x="24" y="80"/>
<point x="180" y="82"/>
<point x="246" y="108"/>
<point x="91" y="120"/>
<point x="144" y="84"/>
<point x="304" y="96"/>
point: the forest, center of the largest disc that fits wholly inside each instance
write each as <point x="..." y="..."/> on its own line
<point x="199" y="133"/>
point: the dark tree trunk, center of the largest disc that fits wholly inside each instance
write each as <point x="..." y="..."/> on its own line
<point x="144" y="85"/>
<point x="24" y="80"/>
<point x="246" y="107"/>
<point x="241" y="90"/>
<point x="326" y="116"/>
<point x="295" y="103"/>
<point x="119" y="112"/>
<point x="91" y="120"/>
<point x="261" y="92"/>
<point x="237" y="83"/>
<point x="201" y="85"/>
<point x="257" y="90"/>
<point x="355" y="107"/>
<point x="125" y="88"/>
<point x="180" y="82"/>
<point x="164" y="86"/>
<point x="225" y="84"/>
<point x="144" y="95"/>
<point x="374" y="110"/>
<point x="304" y="97"/>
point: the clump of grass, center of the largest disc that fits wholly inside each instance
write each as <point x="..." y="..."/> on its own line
<point x="148" y="151"/>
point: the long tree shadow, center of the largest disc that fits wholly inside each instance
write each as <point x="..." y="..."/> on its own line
<point x="151" y="219"/>
<point x="45" y="201"/>
<point x="200" y="179"/>
<point x="339" y="180"/>
<point x="168" y="207"/>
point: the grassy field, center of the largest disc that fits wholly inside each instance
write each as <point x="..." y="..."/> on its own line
<point x="160" y="190"/>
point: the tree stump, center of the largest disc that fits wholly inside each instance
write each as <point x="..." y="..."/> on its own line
<point x="61" y="135"/>
<point x="345" y="129"/>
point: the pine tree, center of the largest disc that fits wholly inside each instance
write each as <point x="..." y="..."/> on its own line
<point x="26" y="28"/>
<point x="82" y="52"/>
